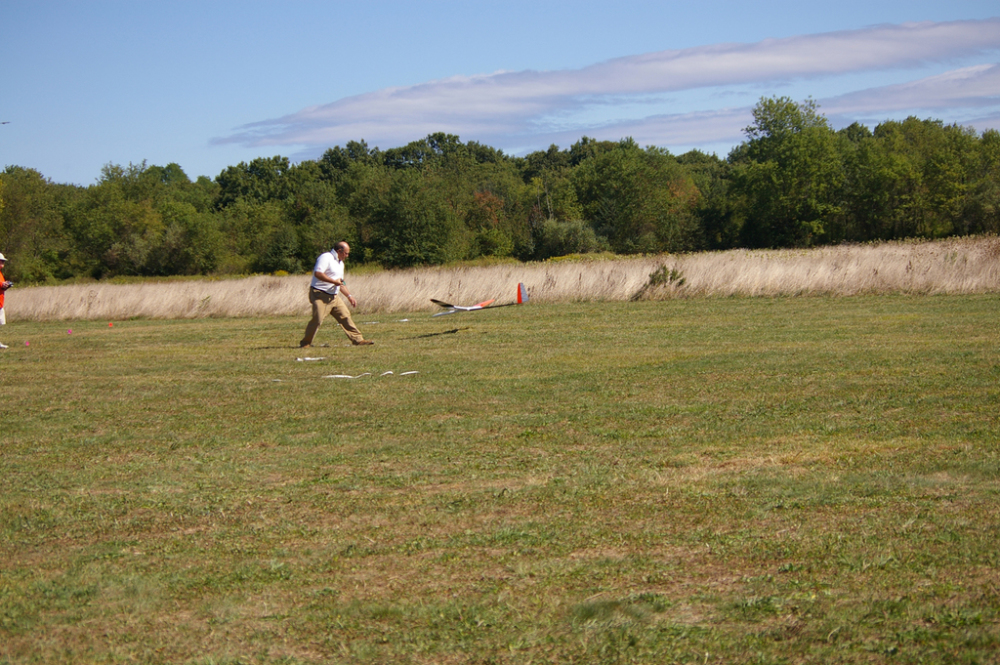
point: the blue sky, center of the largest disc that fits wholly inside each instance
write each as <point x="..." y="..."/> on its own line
<point x="208" y="84"/>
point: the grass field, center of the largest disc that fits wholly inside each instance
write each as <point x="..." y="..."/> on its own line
<point x="714" y="480"/>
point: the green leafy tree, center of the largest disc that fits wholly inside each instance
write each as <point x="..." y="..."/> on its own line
<point x="191" y="244"/>
<point x="921" y="178"/>
<point x="588" y="148"/>
<point x="261" y="180"/>
<point x="555" y="216"/>
<point x="336" y="162"/>
<point x="640" y="200"/>
<point x="414" y="224"/>
<point x="481" y="187"/>
<point x="490" y="197"/>
<point x="717" y="216"/>
<point x="281" y="251"/>
<point x="555" y="237"/>
<point x="249" y="230"/>
<point x="363" y="190"/>
<point x="552" y="195"/>
<point x="289" y="212"/>
<point x="981" y="212"/>
<point x="171" y="175"/>
<point x="114" y="225"/>
<point x="144" y="220"/>
<point x="171" y="183"/>
<point x="31" y="225"/>
<point x="485" y="216"/>
<point x="787" y="176"/>
<point x="866" y="199"/>
<point x="950" y="172"/>
<point x="437" y="148"/>
<point x="321" y="220"/>
<point x="541" y="162"/>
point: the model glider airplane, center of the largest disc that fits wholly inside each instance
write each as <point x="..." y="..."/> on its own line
<point x="522" y="297"/>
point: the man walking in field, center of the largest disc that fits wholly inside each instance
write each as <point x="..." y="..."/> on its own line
<point x="325" y="291"/>
<point x="4" y="285"/>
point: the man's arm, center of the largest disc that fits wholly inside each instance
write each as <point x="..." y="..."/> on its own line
<point x="350" y="298"/>
<point x="323" y="277"/>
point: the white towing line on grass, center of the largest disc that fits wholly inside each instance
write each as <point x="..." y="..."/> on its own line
<point x="348" y="376"/>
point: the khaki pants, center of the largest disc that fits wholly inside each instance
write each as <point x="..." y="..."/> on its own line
<point x="322" y="304"/>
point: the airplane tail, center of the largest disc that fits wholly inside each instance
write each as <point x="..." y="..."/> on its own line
<point x="522" y="294"/>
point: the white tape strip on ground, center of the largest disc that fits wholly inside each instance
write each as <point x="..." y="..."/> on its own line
<point x="348" y="376"/>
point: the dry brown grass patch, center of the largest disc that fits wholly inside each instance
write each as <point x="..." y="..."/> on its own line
<point x="958" y="265"/>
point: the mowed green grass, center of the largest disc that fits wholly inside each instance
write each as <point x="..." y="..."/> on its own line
<point x="801" y="480"/>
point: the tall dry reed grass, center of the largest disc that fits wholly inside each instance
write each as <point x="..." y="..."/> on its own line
<point x="960" y="265"/>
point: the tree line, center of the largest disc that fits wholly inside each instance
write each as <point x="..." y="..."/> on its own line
<point x="793" y="182"/>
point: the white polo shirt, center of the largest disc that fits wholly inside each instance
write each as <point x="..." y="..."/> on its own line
<point x="332" y="267"/>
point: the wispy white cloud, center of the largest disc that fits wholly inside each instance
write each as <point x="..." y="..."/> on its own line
<point x="698" y="128"/>
<point x="968" y="87"/>
<point x="531" y="107"/>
